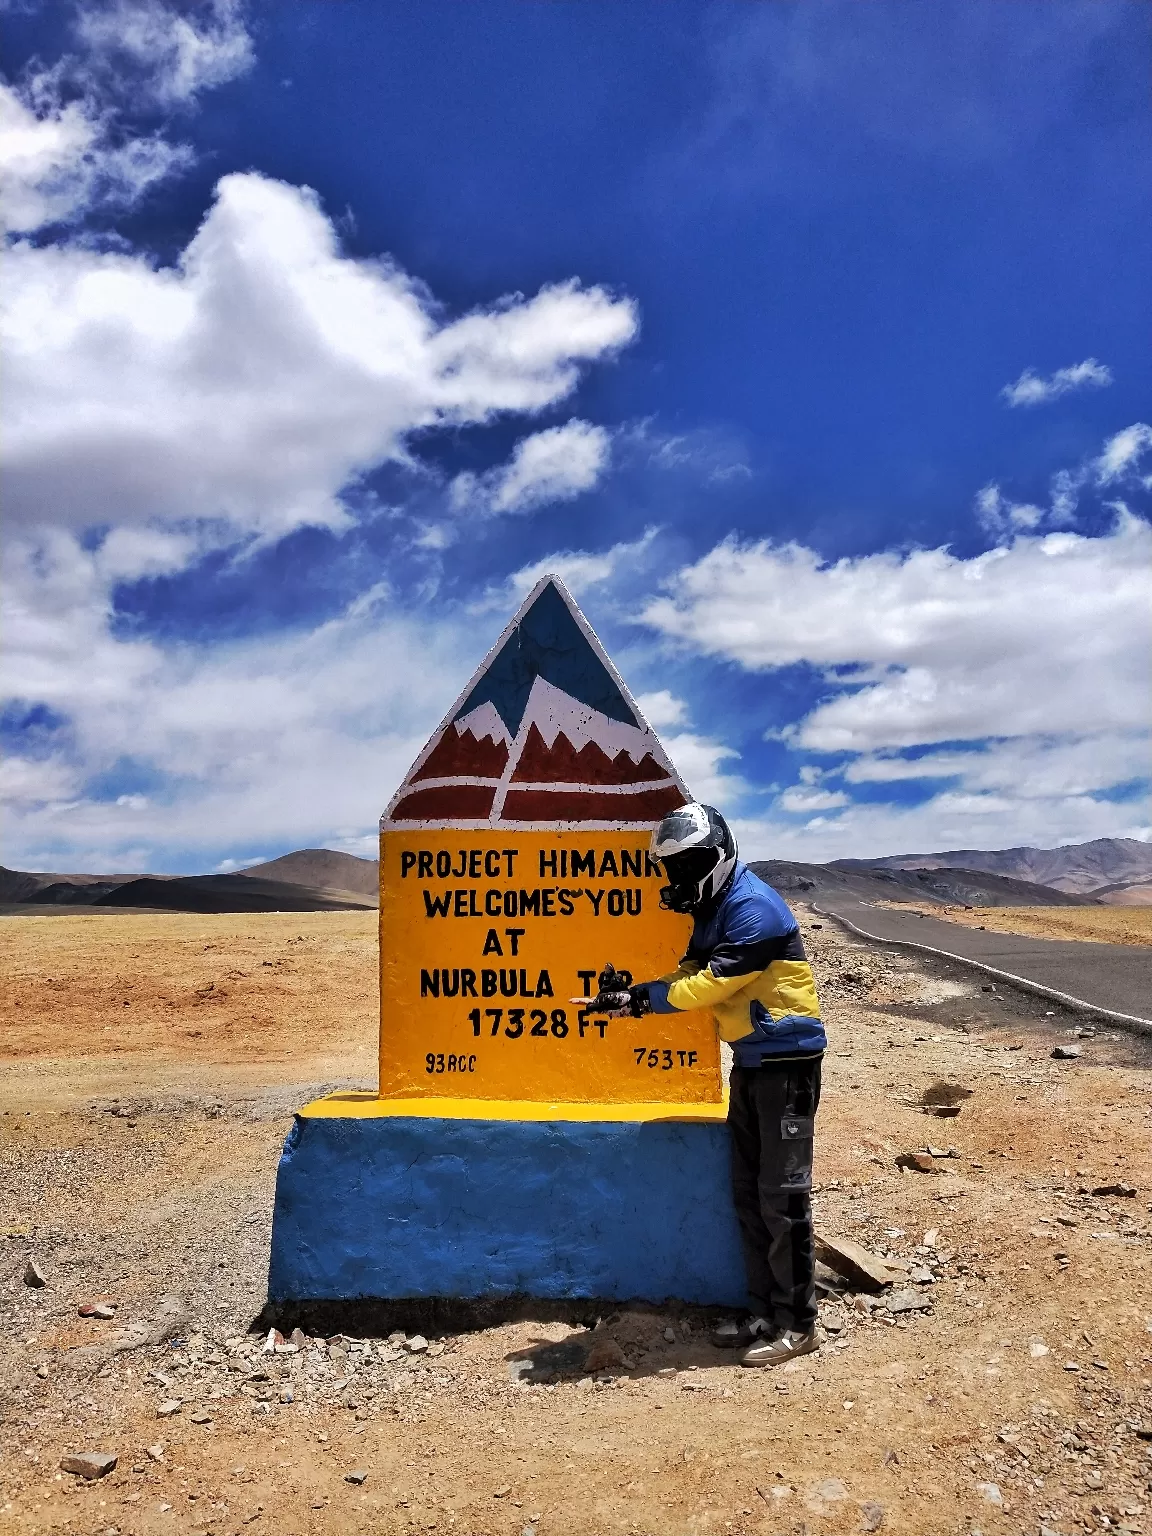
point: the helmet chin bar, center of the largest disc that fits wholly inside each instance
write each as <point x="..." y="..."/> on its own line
<point x="679" y="898"/>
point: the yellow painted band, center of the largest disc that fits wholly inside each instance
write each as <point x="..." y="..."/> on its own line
<point x="366" y="1106"/>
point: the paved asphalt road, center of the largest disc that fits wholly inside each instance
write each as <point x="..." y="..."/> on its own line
<point x="1113" y="977"/>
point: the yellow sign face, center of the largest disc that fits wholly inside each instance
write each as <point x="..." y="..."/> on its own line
<point x="487" y="935"/>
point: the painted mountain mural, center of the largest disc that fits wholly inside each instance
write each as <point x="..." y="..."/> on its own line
<point x="545" y="735"/>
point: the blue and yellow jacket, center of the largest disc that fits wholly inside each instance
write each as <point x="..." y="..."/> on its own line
<point x="746" y="962"/>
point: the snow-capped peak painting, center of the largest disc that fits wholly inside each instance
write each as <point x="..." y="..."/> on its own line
<point x="545" y="735"/>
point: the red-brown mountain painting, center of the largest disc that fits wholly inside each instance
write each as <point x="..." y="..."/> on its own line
<point x="545" y="735"/>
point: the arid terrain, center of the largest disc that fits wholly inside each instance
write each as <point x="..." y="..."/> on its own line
<point x="149" y="1066"/>
<point x="1094" y="925"/>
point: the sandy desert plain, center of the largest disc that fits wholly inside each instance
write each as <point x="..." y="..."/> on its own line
<point x="149" y="1069"/>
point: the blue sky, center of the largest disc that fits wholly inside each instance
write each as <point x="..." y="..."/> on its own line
<point x="809" y="342"/>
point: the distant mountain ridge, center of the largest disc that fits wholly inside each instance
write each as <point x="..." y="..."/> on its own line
<point x="324" y="879"/>
<point x="1079" y="868"/>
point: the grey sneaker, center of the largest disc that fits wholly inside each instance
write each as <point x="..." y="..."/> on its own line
<point x="780" y="1348"/>
<point x="741" y="1335"/>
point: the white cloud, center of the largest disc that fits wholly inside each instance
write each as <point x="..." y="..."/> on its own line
<point x="56" y="159"/>
<point x="1122" y="453"/>
<point x="251" y="382"/>
<point x="1046" y="635"/>
<point x="804" y="800"/>
<point x="1032" y="388"/>
<point x="700" y="762"/>
<point x="1001" y="517"/>
<point x="554" y="465"/>
<point x="662" y="708"/>
<point x="270" y="742"/>
<point x="1039" y="653"/>
<point x="579" y="569"/>
<point x="177" y="54"/>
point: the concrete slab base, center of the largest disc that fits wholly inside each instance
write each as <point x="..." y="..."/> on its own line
<point x="398" y="1206"/>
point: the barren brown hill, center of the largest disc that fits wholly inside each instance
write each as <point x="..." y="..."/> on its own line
<point x="321" y="869"/>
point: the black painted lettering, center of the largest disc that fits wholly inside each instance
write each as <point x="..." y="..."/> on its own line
<point x="595" y="897"/>
<point x="492" y="944"/>
<point x="632" y="897"/>
<point x="507" y="983"/>
<point x="473" y="909"/>
<point x="539" y="1022"/>
<point x="630" y="862"/>
<point x="460" y="903"/>
<point x="608" y="864"/>
<point x="407" y="860"/>
<point x="471" y="1063"/>
<point x="474" y="864"/>
<point x="429" y="983"/>
<point x="615" y="903"/>
<point x="601" y="1025"/>
<point x="492" y="865"/>
<point x="449" y="989"/>
<point x="452" y="1062"/>
<point x="467" y="983"/>
<point x="544" y="985"/>
<point x="493" y="903"/>
<point x="430" y="1062"/>
<point x="443" y="863"/>
<point x="515" y="934"/>
<point x="515" y="1023"/>
<point x="509" y="854"/>
<point x="458" y="874"/>
<point x="564" y="896"/>
<point x="691" y="1058"/>
<point x="511" y="904"/>
<point x="651" y="867"/>
<point x="487" y="983"/>
<point x="424" y="865"/>
<point x="436" y="906"/>
<point x="474" y="1020"/>
<point x="495" y="1014"/>
<point x="548" y="864"/>
<point x="548" y="901"/>
<point x="529" y="903"/>
<point x="584" y="864"/>
<point x="587" y="977"/>
<point x="525" y="989"/>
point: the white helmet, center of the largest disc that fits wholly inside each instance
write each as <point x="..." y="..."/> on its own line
<point x="698" y="852"/>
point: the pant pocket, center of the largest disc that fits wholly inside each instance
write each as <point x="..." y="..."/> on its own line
<point x="795" y="1162"/>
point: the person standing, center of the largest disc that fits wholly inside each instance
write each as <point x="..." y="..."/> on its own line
<point x="746" y="962"/>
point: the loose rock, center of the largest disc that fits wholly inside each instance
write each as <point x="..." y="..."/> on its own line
<point x="34" y="1276"/>
<point x="358" y="1476"/>
<point x="166" y="1409"/>
<point x="917" y="1162"/>
<point x="417" y="1344"/>
<point x="89" y="1464"/>
<point x="1065" y="1052"/>
<point x="855" y="1263"/>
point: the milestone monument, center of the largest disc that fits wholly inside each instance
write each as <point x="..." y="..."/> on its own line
<point x="518" y="1143"/>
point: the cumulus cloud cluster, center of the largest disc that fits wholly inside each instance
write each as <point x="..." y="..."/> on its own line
<point x="1020" y="675"/>
<point x="156" y="412"/>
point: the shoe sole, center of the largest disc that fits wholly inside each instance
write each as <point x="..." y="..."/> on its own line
<point x="793" y="1354"/>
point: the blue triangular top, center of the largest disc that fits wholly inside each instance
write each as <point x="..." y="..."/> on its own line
<point x="547" y="642"/>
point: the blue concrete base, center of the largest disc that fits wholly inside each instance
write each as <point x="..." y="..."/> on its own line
<point x="393" y="1207"/>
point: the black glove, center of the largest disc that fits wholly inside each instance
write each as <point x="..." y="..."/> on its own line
<point x="617" y="996"/>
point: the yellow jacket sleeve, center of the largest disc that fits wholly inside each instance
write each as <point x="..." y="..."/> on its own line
<point x="703" y="990"/>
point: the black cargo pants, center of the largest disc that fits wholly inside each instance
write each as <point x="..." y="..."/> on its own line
<point x="771" y="1114"/>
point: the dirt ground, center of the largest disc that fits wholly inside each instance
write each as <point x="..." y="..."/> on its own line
<point x="1092" y="925"/>
<point x="148" y="1071"/>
